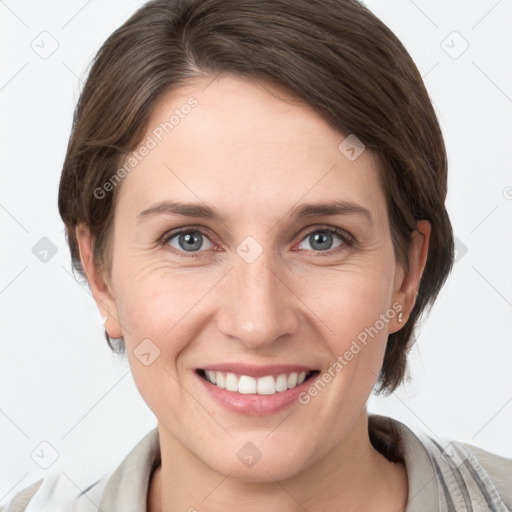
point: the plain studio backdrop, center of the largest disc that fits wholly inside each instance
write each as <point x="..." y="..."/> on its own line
<point x="68" y="404"/>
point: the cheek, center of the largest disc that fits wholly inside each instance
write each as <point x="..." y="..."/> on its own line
<point x="354" y="312"/>
<point x="348" y="300"/>
<point x="165" y="306"/>
<point x="154" y="310"/>
<point x="154" y="304"/>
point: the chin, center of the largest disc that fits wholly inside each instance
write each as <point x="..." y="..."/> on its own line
<point x="251" y="464"/>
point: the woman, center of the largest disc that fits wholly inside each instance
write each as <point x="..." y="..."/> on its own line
<point x="255" y="193"/>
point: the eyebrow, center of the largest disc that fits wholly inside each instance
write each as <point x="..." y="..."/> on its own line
<point x="208" y="212"/>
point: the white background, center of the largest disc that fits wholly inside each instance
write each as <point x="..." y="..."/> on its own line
<point x="59" y="381"/>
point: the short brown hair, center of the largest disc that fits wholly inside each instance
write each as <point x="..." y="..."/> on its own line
<point x="333" y="55"/>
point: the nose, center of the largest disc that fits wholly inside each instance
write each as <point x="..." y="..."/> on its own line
<point x="259" y="306"/>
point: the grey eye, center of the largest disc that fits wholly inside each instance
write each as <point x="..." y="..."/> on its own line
<point x="190" y="241"/>
<point x="322" y="240"/>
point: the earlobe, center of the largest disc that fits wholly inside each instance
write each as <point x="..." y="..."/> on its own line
<point x="104" y="299"/>
<point x="418" y="252"/>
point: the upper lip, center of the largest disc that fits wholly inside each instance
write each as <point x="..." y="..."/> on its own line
<point x="256" y="371"/>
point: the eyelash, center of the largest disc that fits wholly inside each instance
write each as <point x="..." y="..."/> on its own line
<point x="348" y="240"/>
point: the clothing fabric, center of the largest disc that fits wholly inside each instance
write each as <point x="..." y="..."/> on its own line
<point x="444" y="476"/>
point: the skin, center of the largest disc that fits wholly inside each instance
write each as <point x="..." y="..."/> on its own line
<point x="254" y="157"/>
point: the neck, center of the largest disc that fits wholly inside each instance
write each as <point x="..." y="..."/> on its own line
<point x="353" y="476"/>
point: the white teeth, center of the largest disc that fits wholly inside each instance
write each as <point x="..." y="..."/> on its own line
<point x="220" y="382"/>
<point x="292" y="380"/>
<point x="266" y="385"/>
<point x="231" y="382"/>
<point x="282" y="382"/>
<point x="247" y="385"/>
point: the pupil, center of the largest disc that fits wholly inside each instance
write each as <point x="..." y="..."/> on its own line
<point x="322" y="238"/>
<point x="191" y="242"/>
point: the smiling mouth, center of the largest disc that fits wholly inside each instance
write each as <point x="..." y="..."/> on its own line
<point x="247" y="385"/>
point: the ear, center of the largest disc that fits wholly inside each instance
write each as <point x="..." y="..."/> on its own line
<point x="98" y="283"/>
<point x="407" y="288"/>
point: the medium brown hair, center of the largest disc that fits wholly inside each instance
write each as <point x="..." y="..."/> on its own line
<point x="333" y="55"/>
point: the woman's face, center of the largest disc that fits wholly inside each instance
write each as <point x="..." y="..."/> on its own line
<point x="251" y="281"/>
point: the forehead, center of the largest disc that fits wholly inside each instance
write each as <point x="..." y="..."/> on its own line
<point x="247" y="146"/>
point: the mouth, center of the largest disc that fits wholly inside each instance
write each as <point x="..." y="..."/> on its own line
<point x="271" y="384"/>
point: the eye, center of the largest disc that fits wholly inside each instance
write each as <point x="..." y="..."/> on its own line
<point x="324" y="239"/>
<point x="190" y="240"/>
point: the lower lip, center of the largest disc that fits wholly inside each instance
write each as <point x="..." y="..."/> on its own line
<point x="252" y="404"/>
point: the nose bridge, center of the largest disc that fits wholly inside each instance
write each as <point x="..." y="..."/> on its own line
<point x="259" y="308"/>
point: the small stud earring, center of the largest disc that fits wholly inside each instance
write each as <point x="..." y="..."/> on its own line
<point x="400" y="317"/>
<point x="104" y="320"/>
